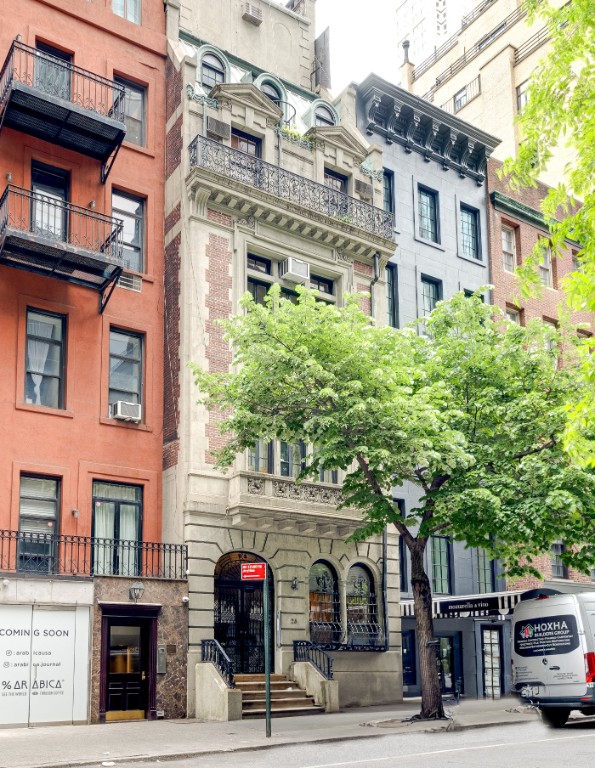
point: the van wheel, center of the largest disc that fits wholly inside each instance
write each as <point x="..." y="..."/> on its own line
<point x="555" y="717"/>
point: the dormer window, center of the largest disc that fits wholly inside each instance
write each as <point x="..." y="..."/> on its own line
<point x="212" y="71"/>
<point x="323" y="116"/>
<point x="272" y="92"/>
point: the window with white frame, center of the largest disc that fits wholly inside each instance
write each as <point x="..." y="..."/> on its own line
<point x="125" y="367"/>
<point x="117" y="529"/>
<point x="39" y="505"/>
<point x="508" y="240"/>
<point x="291" y="458"/>
<point x="131" y="210"/>
<point x="460" y="99"/>
<point x="128" y="9"/>
<point x="212" y="71"/>
<point x="513" y="315"/>
<point x="134" y="111"/>
<point x="546" y="268"/>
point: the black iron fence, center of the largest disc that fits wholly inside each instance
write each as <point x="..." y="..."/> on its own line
<point x="213" y="652"/>
<point x="59" y="222"/>
<point x="55" y="77"/>
<point x="64" y="555"/>
<point x="254" y="172"/>
<point x="303" y="650"/>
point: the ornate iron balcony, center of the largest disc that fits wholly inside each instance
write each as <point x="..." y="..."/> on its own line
<point x="276" y="181"/>
<point x="63" y="555"/>
<point x="50" y="98"/>
<point x="52" y="237"/>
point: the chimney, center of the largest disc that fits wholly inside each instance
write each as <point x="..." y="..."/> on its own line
<point x="406" y="68"/>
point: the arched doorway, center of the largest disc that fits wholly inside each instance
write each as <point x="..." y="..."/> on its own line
<point x="239" y="613"/>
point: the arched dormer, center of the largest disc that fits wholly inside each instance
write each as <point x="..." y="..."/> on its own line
<point x="321" y="113"/>
<point x="213" y="67"/>
<point x="274" y="89"/>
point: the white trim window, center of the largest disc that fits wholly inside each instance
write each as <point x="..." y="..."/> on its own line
<point x="508" y="240"/>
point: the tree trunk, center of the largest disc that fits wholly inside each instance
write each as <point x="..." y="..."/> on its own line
<point x="431" y="695"/>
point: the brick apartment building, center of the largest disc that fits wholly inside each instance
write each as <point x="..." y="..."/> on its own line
<point x="91" y="603"/>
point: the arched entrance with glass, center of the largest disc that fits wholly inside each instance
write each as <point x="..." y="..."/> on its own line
<point x="239" y="613"/>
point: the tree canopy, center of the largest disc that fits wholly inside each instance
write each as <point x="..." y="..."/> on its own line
<point x="560" y="113"/>
<point x="472" y="413"/>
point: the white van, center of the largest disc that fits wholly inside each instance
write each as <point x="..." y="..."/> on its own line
<point x="553" y="654"/>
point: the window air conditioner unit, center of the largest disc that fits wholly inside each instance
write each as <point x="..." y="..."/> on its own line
<point x="252" y="13"/>
<point x="124" y="411"/>
<point x="294" y="270"/>
<point x="218" y="129"/>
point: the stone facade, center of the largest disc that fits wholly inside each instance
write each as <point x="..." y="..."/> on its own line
<point x="172" y="632"/>
<point x="241" y="217"/>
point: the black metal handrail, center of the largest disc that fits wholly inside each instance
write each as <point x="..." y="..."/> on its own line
<point x="213" y="652"/>
<point x="66" y="555"/>
<point x="60" y="79"/>
<point x="60" y="222"/>
<point x="219" y="158"/>
<point x="304" y="650"/>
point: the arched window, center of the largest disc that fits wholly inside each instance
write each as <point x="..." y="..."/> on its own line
<point x="323" y="116"/>
<point x="212" y="71"/>
<point x="325" y="612"/>
<point x="272" y="92"/>
<point x="363" y="629"/>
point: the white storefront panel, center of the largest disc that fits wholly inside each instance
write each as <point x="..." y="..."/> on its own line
<point x="44" y="663"/>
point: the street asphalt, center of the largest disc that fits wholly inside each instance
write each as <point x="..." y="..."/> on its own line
<point x="59" y="746"/>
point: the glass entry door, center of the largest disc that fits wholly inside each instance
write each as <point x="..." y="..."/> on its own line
<point x="491" y="652"/>
<point x="449" y="660"/>
<point x="127" y="670"/>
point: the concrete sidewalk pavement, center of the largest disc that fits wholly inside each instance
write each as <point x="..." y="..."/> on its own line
<point x="78" y="745"/>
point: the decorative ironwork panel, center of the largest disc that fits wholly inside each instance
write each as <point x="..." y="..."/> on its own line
<point x="276" y="181"/>
<point x="50" y="553"/>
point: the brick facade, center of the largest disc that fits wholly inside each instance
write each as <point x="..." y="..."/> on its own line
<point x="219" y="306"/>
<point x="173" y="147"/>
<point x="173" y="93"/>
<point x="171" y="362"/>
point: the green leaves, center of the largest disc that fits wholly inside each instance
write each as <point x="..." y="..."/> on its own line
<point x="473" y="415"/>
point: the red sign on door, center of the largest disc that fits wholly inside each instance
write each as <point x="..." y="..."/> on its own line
<point x="254" y="571"/>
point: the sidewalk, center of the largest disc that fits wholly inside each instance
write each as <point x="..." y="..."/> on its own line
<point x="68" y="745"/>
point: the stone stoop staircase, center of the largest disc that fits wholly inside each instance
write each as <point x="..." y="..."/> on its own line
<point x="287" y="698"/>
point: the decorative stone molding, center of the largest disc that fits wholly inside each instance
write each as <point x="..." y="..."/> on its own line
<point x="247" y="221"/>
<point x="256" y="486"/>
<point x="314" y="494"/>
<point x="371" y="173"/>
<point x="200" y="98"/>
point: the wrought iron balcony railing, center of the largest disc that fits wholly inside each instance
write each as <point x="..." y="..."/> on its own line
<point x="53" y="237"/>
<point x="283" y="184"/>
<point x="48" y="97"/>
<point x="65" y="555"/>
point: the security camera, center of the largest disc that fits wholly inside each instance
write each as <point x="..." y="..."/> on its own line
<point x="185" y="599"/>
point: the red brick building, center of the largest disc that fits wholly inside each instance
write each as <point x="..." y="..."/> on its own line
<point x="515" y="224"/>
<point x="82" y="105"/>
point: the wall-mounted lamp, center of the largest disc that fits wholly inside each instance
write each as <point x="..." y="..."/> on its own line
<point x="19" y="38"/>
<point x="75" y="513"/>
<point x="9" y="176"/>
<point x="136" y="591"/>
<point x="92" y="205"/>
<point x="294" y="583"/>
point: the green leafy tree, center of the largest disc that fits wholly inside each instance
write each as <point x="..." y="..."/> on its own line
<point x="471" y="414"/>
<point x="560" y="114"/>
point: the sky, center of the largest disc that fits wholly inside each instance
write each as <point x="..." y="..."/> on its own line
<point x="363" y="39"/>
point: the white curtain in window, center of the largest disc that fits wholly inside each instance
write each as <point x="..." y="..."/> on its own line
<point x="128" y="547"/>
<point x="37" y="353"/>
<point x="104" y="531"/>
